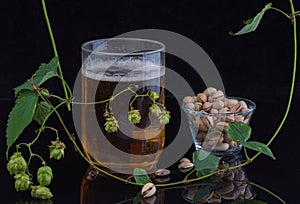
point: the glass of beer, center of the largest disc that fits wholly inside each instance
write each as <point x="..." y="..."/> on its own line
<point x="117" y="75"/>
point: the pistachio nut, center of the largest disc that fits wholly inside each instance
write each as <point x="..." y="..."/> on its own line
<point x="185" y="165"/>
<point x="198" y="106"/>
<point x="184" y="160"/>
<point x="162" y="172"/>
<point x="209" y="91"/>
<point x="213" y="111"/>
<point x="219" y="95"/>
<point x="217" y="105"/>
<point x="148" y="190"/>
<point x="230" y="118"/>
<point x="206" y="106"/>
<point x="202" y="97"/>
<point x="190" y="106"/>
<point x="239" y="118"/>
<point x="230" y="102"/>
<point x="221" y="146"/>
<point x="188" y="99"/>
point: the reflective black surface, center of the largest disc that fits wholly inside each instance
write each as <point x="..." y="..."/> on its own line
<point x="256" y="66"/>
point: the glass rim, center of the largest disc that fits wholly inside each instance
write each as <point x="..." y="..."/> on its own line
<point x="161" y="46"/>
<point x="249" y="110"/>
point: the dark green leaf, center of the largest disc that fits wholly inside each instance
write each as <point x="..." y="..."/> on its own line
<point x="205" y="162"/>
<point x="41" y="112"/>
<point x="258" y="146"/>
<point x="44" y="72"/>
<point x="202" y="191"/>
<point x="20" y="116"/>
<point x="252" y="23"/>
<point x="140" y="176"/>
<point x="239" y="131"/>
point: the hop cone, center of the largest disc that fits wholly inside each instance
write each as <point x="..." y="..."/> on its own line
<point x="134" y="116"/>
<point x="16" y="164"/>
<point x="44" y="175"/>
<point x="57" y="149"/>
<point x="41" y="192"/>
<point x="111" y="124"/>
<point x="22" y="182"/>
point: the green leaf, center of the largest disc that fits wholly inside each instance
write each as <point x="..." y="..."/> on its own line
<point x="201" y="192"/>
<point x="20" y="116"/>
<point x="140" y="176"/>
<point x="239" y="131"/>
<point x="252" y="23"/>
<point x="44" y="72"/>
<point x="205" y="162"/>
<point x="41" y="112"/>
<point x="258" y="146"/>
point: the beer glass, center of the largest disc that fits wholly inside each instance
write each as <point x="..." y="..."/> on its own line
<point x="117" y="75"/>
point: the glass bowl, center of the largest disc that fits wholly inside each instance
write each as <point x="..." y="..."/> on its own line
<point x="208" y="130"/>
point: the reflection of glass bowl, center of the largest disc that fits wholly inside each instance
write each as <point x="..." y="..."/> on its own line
<point x="209" y="129"/>
<point x="223" y="187"/>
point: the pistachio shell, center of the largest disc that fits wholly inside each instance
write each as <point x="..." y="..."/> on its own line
<point x="213" y="111"/>
<point x="184" y="160"/>
<point x="218" y="105"/>
<point x="188" y="99"/>
<point x="202" y="97"/>
<point x="185" y="165"/>
<point x="230" y="118"/>
<point x="148" y="190"/>
<point x="209" y="91"/>
<point x="190" y="106"/>
<point x="231" y="102"/>
<point x="219" y="95"/>
<point x="206" y="106"/>
<point x="162" y="172"/>
<point x="198" y="106"/>
<point x="239" y="118"/>
<point x="221" y="147"/>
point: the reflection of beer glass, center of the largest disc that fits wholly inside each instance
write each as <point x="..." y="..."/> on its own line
<point x="109" y="67"/>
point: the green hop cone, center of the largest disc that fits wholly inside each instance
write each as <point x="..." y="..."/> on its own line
<point x="44" y="175"/>
<point x="164" y="117"/>
<point x="22" y="182"/>
<point x="155" y="110"/>
<point x="153" y="95"/>
<point x="41" y="192"/>
<point x="57" y="149"/>
<point x="16" y="164"/>
<point x="111" y="124"/>
<point x="134" y="116"/>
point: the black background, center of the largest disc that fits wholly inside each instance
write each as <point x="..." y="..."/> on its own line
<point x="256" y="66"/>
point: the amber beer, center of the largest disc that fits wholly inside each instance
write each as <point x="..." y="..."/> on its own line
<point x="132" y="145"/>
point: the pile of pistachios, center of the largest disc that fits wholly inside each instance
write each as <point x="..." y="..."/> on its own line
<point x="210" y="116"/>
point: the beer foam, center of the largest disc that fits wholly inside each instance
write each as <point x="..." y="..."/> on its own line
<point x="129" y="70"/>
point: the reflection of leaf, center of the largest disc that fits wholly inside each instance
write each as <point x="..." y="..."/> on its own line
<point x="44" y="72"/>
<point x="205" y="162"/>
<point x="20" y="116"/>
<point x="140" y="176"/>
<point x="252" y="23"/>
<point x="137" y="199"/>
<point x="239" y="131"/>
<point x="242" y="201"/>
<point x="258" y="146"/>
<point x="202" y="191"/>
<point x="41" y="112"/>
